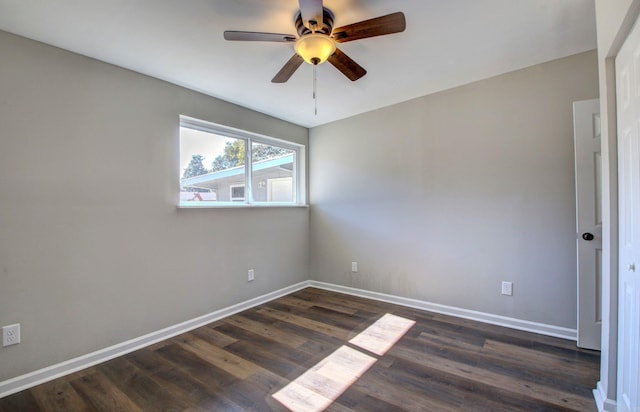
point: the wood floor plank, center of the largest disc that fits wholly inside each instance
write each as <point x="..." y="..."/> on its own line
<point x="221" y="358"/>
<point x="456" y="335"/>
<point x="507" y="334"/>
<point x="59" y="395"/>
<point x="268" y="331"/>
<point x="401" y="397"/>
<point x="251" y="342"/>
<point x="471" y="330"/>
<point x="293" y="300"/>
<point x="544" y="394"/>
<point x="515" y="362"/>
<point x="316" y="342"/>
<point x="311" y="324"/>
<point x="196" y="368"/>
<point x="102" y="394"/>
<point x="467" y="395"/>
<point x="341" y="300"/>
<point x="253" y="397"/>
<point x="441" y="363"/>
<point x="325" y="316"/>
<point x="355" y="400"/>
<point x="213" y="336"/>
<point x="178" y="381"/>
<point x="307" y="304"/>
<point x="528" y="357"/>
<point x="139" y="387"/>
<point x="21" y="401"/>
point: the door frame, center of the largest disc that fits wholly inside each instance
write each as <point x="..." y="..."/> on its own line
<point x="628" y="222"/>
<point x="606" y="390"/>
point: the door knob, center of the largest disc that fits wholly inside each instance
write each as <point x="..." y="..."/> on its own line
<point x="631" y="267"/>
<point x="587" y="236"/>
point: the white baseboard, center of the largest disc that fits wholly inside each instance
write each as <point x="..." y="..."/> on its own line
<point x="525" y="325"/>
<point x="603" y="404"/>
<point x="49" y="373"/>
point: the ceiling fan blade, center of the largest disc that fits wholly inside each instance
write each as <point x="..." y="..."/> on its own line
<point x="391" y="23"/>
<point x="346" y="65"/>
<point x="311" y="11"/>
<point x="288" y="69"/>
<point x="257" y="36"/>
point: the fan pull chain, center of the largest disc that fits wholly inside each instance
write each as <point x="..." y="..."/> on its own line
<point x="315" y="90"/>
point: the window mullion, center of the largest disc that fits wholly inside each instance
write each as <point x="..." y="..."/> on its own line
<point x="248" y="172"/>
<point x="294" y="179"/>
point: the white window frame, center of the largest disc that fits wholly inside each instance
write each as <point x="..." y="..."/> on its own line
<point x="299" y="162"/>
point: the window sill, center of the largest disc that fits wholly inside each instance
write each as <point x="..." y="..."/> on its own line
<point x="233" y="205"/>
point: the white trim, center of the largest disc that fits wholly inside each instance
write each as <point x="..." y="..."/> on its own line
<point x="49" y="373"/>
<point x="235" y="205"/>
<point x="603" y="404"/>
<point x="31" y="379"/>
<point x="525" y="325"/>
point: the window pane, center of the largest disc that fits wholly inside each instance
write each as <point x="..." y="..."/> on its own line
<point x="272" y="173"/>
<point x="212" y="167"/>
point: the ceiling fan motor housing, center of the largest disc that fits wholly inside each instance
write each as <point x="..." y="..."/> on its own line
<point x="325" y="27"/>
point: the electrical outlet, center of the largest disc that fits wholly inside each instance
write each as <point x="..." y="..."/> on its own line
<point x="251" y="275"/>
<point x="354" y="267"/>
<point x="11" y="335"/>
<point x="507" y="288"/>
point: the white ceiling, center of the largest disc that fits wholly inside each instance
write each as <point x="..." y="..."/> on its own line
<point x="447" y="43"/>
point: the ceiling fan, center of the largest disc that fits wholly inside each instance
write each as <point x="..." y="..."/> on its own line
<point x="316" y="39"/>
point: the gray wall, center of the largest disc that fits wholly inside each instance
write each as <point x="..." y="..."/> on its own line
<point x="443" y="197"/>
<point x="93" y="250"/>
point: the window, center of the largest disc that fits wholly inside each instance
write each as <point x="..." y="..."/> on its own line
<point x="237" y="192"/>
<point x="221" y="166"/>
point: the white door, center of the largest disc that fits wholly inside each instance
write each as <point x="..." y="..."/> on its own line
<point x="628" y="107"/>
<point x="586" y="129"/>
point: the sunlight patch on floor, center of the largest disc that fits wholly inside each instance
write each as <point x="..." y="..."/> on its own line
<point x="382" y="335"/>
<point x="318" y="387"/>
<point x="322" y="384"/>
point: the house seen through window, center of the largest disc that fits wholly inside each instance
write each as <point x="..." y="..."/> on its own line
<point x="223" y="166"/>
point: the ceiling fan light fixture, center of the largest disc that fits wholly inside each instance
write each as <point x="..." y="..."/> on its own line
<point x="315" y="48"/>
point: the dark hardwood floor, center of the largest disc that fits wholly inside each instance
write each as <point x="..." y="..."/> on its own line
<point x="236" y="364"/>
